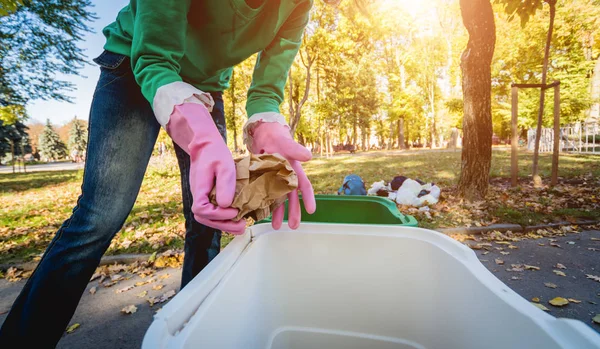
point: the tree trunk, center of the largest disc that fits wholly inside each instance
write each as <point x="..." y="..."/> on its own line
<point x="433" y="123"/>
<point x="233" y="118"/>
<point x="536" y="180"/>
<point x="295" y="114"/>
<point x="594" y="112"/>
<point x="476" y="60"/>
<point x="401" y="133"/>
<point x="354" y="130"/>
<point x="12" y="151"/>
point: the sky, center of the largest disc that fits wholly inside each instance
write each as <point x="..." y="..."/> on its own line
<point x="60" y="113"/>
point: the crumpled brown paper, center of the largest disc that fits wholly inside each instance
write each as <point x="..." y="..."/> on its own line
<point x="262" y="183"/>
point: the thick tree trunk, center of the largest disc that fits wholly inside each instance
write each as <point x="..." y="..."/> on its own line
<point x="476" y="60"/>
<point x="536" y="179"/>
<point x="401" y="133"/>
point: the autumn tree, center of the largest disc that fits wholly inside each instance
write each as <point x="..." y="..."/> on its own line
<point x="478" y="18"/>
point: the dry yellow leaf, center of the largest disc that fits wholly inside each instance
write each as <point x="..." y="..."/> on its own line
<point x="550" y="285"/>
<point x="125" y="289"/>
<point x="499" y="261"/>
<point x="130" y="309"/>
<point x="142" y="294"/>
<point x="513" y="247"/>
<point x="72" y="328"/>
<point x="503" y="242"/>
<point x="504" y="253"/>
<point x="531" y="267"/>
<point x="573" y="300"/>
<point x="559" y="301"/>
<point x="535" y="299"/>
<point x="541" y="306"/>
<point x="165" y="276"/>
<point x="595" y="239"/>
<point x="560" y="266"/>
<point x="157" y="287"/>
<point x="559" y="273"/>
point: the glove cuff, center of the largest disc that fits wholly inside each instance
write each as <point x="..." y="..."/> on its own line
<point x="255" y="120"/>
<point x="177" y="93"/>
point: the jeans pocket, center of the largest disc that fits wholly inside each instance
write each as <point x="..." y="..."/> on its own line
<point x="113" y="63"/>
<point x="113" y="66"/>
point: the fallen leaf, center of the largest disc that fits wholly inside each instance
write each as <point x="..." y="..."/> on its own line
<point x="593" y="249"/>
<point x="504" y="253"/>
<point x="166" y="276"/>
<point x="109" y="284"/>
<point x="592" y="302"/>
<point x="541" y="244"/>
<point x="166" y="296"/>
<point x="560" y="266"/>
<point x="571" y="242"/>
<point x="531" y="267"/>
<point x="116" y="277"/>
<point x="125" y="289"/>
<point x="553" y="244"/>
<point x="93" y="290"/>
<point x="152" y="258"/>
<point x="516" y="278"/>
<point x="161" y="299"/>
<point x="513" y="247"/>
<point x="72" y="328"/>
<point x="152" y="301"/>
<point x="573" y="300"/>
<point x="486" y="252"/>
<point x="95" y="276"/>
<point x="550" y="285"/>
<point x="559" y="301"/>
<point x="158" y="287"/>
<point x="541" y="306"/>
<point x="596" y="319"/>
<point x="593" y="277"/>
<point x="130" y="309"/>
<point x="559" y="273"/>
<point x="142" y="294"/>
<point x="503" y="242"/>
<point x="535" y="299"/>
<point x="499" y="261"/>
<point x="595" y="239"/>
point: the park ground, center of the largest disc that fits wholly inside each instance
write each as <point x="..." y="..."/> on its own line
<point x="35" y="204"/>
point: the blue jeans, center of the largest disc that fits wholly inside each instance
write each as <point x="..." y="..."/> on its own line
<point x="122" y="134"/>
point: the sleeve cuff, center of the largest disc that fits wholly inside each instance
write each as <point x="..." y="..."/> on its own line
<point x="176" y="93"/>
<point x="258" y="118"/>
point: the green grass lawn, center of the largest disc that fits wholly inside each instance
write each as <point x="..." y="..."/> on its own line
<point x="34" y="205"/>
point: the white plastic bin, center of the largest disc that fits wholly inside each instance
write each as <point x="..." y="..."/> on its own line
<point x="346" y="286"/>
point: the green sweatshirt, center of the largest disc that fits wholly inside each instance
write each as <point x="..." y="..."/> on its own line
<point x="199" y="42"/>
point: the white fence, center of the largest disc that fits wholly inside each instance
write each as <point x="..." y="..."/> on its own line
<point x="576" y="138"/>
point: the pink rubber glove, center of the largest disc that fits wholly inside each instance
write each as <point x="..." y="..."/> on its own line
<point x="194" y="130"/>
<point x="273" y="137"/>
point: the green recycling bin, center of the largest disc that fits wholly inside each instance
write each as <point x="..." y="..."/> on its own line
<point x="354" y="209"/>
